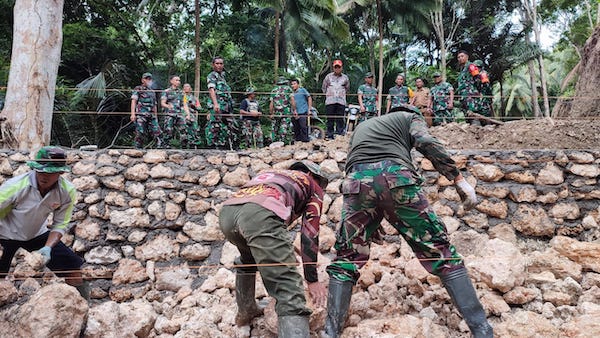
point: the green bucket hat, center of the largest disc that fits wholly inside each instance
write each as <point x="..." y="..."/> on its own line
<point x="306" y="166"/>
<point x="50" y="160"/>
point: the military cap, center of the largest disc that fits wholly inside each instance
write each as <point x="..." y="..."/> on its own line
<point x="309" y="166"/>
<point x="369" y="74"/>
<point x="437" y="74"/>
<point x="50" y="160"/>
<point x="282" y="80"/>
<point x="249" y="90"/>
<point x="478" y="63"/>
<point x="145" y="75"/>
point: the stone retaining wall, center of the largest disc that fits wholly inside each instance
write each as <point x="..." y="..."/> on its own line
<point x="147" y="225"/>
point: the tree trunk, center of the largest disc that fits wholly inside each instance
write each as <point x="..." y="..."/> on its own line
<point x="37" y="41"/>
<point x="197" y="47"/>
<point x="534" y="94"/>
<point x="380" y="76"/>
<point x="276" y="46"/>
<point x="586" y="101"/>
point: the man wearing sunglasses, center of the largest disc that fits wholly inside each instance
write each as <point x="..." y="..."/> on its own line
<point x="26" y="201"/>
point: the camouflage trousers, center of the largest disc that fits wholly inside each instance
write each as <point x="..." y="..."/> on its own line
<point x="367" y="115"/>
<point x="174" y="124"/>
<point x="252" y="134"/>
<point x="281" y="130"/>
<point x="443" y="116"/>
<point x="373" y="191"/>
<point x="222" y="132"/>
<point x="146" y="125"/>
<point x="192" y="139"/>
<point x="265" y="245"/>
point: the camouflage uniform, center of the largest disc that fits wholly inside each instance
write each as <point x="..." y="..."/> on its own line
<point x="191" y="125"/>
<point x="146" y="122"/>
<point x="281" y="125"/>
<point x="369" y="98"/>
<point x="252" y="135"/>
<point x="467" y="91"/>
<point x="440" y="94"/>
<point x="382" y="182"/>
<point x="174" y="117"/>
<point x="400" y="96"/>
<point x="222" y="129"/>
<point x="482" y="82"/>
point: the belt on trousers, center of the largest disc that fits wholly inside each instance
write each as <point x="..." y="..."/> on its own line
<point x="373" y="165"/>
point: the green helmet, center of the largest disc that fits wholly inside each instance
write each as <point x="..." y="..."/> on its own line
<point x="315" y="169"/>
<point x="50" y="160"/>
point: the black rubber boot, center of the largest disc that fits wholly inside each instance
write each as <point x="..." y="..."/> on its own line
<point x="245" y="283"/>
<point x="293" y="327"/>
<point x="463" y="295"/>
<point x="338" y="302"/>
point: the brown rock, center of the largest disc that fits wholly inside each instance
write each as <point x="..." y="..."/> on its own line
<point x="585" y="325"/>
<point x="552" y="261"/>
<point x="557" y="298"/>
<point x="161" y="171"/>
<point x="487" y="172"/>
<point x="565" y="211"/>
<point x="532" y="222"/>
<point x="585" y="170"/>
<point x="85" y="183"/>
<point x="195" y="252"/>
<point x="548" y="198"/>
<point x="526" y="194"/>
<point x="173" y="278"/>
<point x="523" y="177"/>
<point x="498" y="209"/>
<point x="210" y="179"/>
<point x="521" y="295"/>
<point x="494" y="303"/>
<point x="161" y="248"/>
<point x="525" y="324"/>
<point x="201" y="233"/>
<point x="8" y="293"/>
<point x="236" y="178"/>
<point x="398" y="326"/>
<point x="132" y="217"/>
<point x="551" y="174"/>
<point x="583" y="253"/>
<point x="196" y="207"/>
<point x="476" y="220"/>
<point x="129" y="271"/>
<point x="110" y="319"/>
<point x="492" y="191"/>
<point x="154" y="156"/>
<point x="138" y="172"/>
<point x="501" y="265"/>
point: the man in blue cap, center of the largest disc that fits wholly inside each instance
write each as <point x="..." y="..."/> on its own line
<point x="26" y="201"/>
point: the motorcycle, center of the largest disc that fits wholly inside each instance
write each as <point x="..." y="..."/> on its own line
<point x="315" y="131"/>
<point x="352" y="116"/>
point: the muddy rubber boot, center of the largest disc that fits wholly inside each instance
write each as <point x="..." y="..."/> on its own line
<point x="463" y="295"/>
<point x="293" y="327"/>
<point x="338" y="301"/>
<point x="245" y="283"/>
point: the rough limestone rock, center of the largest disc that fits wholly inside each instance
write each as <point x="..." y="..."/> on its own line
<point x="525" y="324"/>
<point x="102" y="255"/>
<point x="586" y="254"/>
<point x="236" y="178"/>
<point x="501" y="265"/>
<point x="110" y="319"/>
<point x="161" y="248"/>
<point x="396" y="326"/>
<point x="56" y="310"/>
<point x="551" y="174"/>
<point x="129" y="271"/>
<point x="533" y="221"/>
<point x="8" y="293"/>
<point x="487" y="172"/>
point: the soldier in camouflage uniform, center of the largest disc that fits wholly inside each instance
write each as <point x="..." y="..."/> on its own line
<point x="367" y="98"/>
<point x="382" y="182"/>
<point x="442" y="100"/>
<point x="144" y="113"/>
<point x="282" y="107"/>
<point x="252" y="135"/>
<point x="467" y="90"/>
<point x="222" y="128"/>
<point x="191" y="124"/>
<point x="176" y="113"/>
<point x="399" y="95"/>
<point x="482" y="81"/>
<point x="255" y="219"/>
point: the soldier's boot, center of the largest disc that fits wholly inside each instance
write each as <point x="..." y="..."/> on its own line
<point x="463" y="295"/>
<point x="245" y="283"/>
<point x="293" y="327"/>
<point x="338" y="302"/>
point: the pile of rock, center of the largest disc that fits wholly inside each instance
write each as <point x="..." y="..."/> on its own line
<point x="147" y="225"/>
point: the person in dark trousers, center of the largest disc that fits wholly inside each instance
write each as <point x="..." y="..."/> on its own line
<point x="335" y="86"/>
<point x="382" y="182"/>
<point x="303" y="106"/>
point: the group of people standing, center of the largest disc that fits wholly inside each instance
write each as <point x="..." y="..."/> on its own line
<point x="290" y="106"/>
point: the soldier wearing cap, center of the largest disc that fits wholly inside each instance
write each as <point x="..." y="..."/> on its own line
<point x="255" y="219"/>
<point x="144" y="113"/>
<point x="252" y="135"/>
<point x="367" y="97"/>
<point x="382" y="182"/>
<point x="335" y="86"/>
<point x="441" y="100"/>
<point x="281" y="107"/>
<point x="26" y="201"/>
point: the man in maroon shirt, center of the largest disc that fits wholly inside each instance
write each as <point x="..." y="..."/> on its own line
<point x="255" y="219"/>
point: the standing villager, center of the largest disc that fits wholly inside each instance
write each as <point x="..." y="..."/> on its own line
<point x="255" y="219"/>
<point x="421" y="100"/>
<point x="382" y="182"/>
<point x="303" y="102"/>
<point x="26" y="202"/>
<point x="144" y="113"/>
<point x="282" y="106"/>
<point x="335" y="86"/>
<point x="222" y="129"/>
<point x="442" y="100"/>
<point x="367" y="98"/>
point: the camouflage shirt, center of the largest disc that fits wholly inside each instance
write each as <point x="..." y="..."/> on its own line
<point x="222" y="90"/>
<point x="391" y="137"/>
<point x="440" y="94"/>
<point x="289" y="194"/>
<point x="369" y="97"/>
<point x="281" y="98"/>
<point x="399" y="96"/>
<point x="466" y="81"/>
<point x="191" y="101"/>
<point x="146" y="99"/>
<point x="173" y="96"/>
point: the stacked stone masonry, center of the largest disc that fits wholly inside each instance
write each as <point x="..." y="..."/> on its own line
<point x="146" y="223"/>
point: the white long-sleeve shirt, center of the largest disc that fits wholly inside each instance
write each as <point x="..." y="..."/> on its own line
<point x="24" y="212"/>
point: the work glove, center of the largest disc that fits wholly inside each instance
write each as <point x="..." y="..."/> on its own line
<point x="45" y="252"/>
<point x="467" y="194"/>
